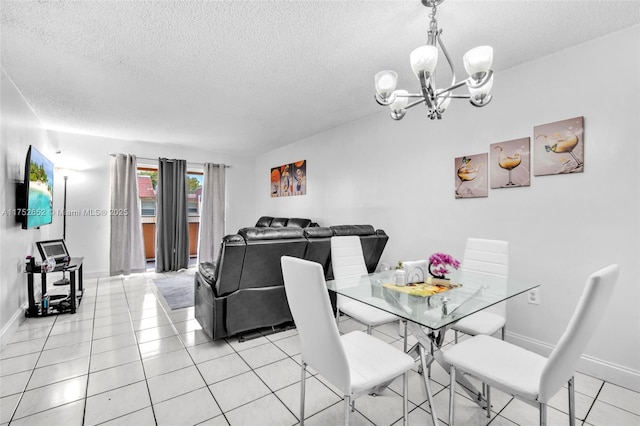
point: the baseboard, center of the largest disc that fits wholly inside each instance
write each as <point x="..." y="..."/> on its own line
<point x="8" y="330"/>
<point x="591" y="366"/>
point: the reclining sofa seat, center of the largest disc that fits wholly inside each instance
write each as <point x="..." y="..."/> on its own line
<point x="244" y="289"/>
<point x="261" y="300"/>
<point x="214" y="282"/>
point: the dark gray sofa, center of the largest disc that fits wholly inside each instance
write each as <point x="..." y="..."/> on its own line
<point x="244" y="290"/>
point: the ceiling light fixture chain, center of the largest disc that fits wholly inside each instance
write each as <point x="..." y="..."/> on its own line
<point x="424" y="59"/>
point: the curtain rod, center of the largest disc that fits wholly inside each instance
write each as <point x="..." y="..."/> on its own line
<point x="188" y="162"/>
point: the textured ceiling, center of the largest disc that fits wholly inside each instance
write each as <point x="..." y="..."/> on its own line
<point x="246" y="77"/>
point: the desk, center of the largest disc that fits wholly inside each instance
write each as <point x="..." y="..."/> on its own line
<point x="74" y="266"/>
<point x="429" y="317"/>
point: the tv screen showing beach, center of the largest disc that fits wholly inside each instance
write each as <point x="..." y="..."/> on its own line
<point x="40" y="198"/>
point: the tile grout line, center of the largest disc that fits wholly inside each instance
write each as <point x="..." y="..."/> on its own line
<point x="190" y="357"/>
<point x="33" y="369"/>
<point x="135" y="336"/>
<point x="41" y="352"/>
<point x="93" y="326"/>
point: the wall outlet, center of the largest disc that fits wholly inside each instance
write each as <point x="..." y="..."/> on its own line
<point x="533" y="296"/>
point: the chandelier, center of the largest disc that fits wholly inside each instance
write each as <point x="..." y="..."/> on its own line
<point x="424" y="59"/>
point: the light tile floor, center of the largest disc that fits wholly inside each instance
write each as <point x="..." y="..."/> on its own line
<point x="125" y="358"/>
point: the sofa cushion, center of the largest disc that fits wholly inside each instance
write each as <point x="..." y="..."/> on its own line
<point x="340" y="230"/>
<point x="253" y="234"/>
<point x="298" y="222"/>
<point x="318" y="232"/>
<point x="264" y="221"/>
<point x="279" y="222"/>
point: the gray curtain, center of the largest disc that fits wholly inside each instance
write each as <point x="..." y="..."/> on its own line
<point x="172" y="224"/>
<point x="126" y="243"/>
<point x="212" y="219"/>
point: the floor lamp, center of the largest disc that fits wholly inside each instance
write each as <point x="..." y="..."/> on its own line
<point x="64" y="280"/>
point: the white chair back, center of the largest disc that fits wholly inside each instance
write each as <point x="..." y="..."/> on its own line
<point x="347" y="260"/>
<point x="486" y="257"/>
<point x="591" y="306"/>
<point x="490" y="257"/>
<point x="311" y="309"/>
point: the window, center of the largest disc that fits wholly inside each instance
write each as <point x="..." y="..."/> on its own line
<point x="147" y="182"/>
<point x="147" y="208"/>
<point x="147" y="192"/>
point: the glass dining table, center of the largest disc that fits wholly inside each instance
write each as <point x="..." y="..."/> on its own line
<point x="429" y="309"/>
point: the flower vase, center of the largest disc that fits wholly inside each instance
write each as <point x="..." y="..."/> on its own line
<point x="440" y="280"/>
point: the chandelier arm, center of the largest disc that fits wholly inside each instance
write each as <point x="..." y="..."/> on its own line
<point x="409" y="95"/>
<point x="412" y="104"/>
<point x="446" y="55"/>
<point x="426" y="90"/>
<point x="451" y="88"/>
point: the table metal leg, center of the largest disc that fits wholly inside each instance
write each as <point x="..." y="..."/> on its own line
<point x="72" y="281"/>
<point x="432" y="341"/>
<point x="425" y="365"/>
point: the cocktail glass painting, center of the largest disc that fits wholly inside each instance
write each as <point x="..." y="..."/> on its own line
<point x="559" y="147"/>
<point x="509" y="165"/>
<point x="471" y="176"/>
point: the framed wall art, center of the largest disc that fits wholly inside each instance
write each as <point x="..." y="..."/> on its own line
<point x="559" y="147"/>
<point x="289" y="179"/>
<point x="509" y="165"/>
<point x="471" y="176"/>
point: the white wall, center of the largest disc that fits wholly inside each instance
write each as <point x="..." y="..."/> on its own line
<point x="19" y="128"/>
<point x="399" y="176"/>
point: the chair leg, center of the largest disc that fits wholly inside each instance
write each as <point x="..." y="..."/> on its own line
<point x="347" y="410"/>
<point x="455" y="336"/>
<point x="368" y="329"/>
<point x="337" y="316"/>
<point x="452" y="393"/>
<point x="504" y="328"/>
<point x="543" y="414"/>
<point x="572" y="402"/>
<point x="405" y="334"/>
<point x="488" y="396"/>
<point x="302" y="386"/>
<point x="405" y="398"/>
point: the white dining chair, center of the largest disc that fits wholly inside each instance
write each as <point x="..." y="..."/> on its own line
<point x="347" y="260"/>
<point x="355" y="363"/>
<point x="484" y="257"/>
<point x="525" y="374"/>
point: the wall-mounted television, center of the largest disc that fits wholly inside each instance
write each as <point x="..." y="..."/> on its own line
<point x="35" y="195"/>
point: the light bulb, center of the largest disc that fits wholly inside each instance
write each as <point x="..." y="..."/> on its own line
<point x="386" y="82"/>
<point x="480" y="95"/>
<point x="478" y="60"/>
<point x="399" y="104"/>
<point x="424" y="58"/>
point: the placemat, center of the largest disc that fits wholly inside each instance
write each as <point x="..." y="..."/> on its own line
<point x="420" y="289"/>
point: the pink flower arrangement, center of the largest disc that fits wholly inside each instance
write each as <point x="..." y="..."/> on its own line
<point x="439" y="264"/>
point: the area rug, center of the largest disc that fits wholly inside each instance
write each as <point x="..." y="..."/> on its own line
<point x="177" y="290"/>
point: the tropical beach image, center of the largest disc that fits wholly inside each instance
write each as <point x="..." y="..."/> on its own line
<point x="40" y="203"/>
